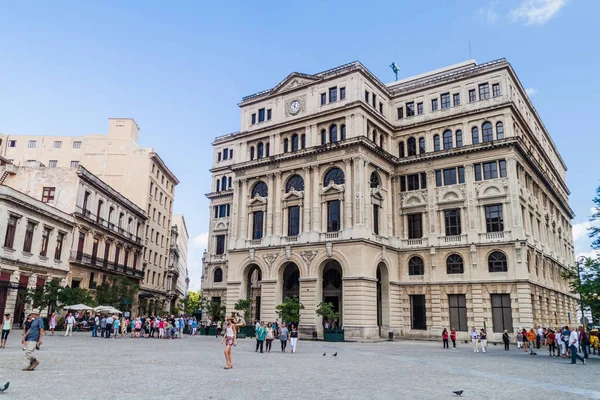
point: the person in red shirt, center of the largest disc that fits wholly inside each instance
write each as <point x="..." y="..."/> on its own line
<point x="453" y="337"/>
<point x="551" y="342"/>
<point x="445" y="338"/>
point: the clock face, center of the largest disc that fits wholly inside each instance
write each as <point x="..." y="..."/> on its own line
<point x="295" y="107"/>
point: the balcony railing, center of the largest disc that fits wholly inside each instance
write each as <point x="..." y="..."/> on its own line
<point x="87" y="214"/>
<point x="90" y="260"/>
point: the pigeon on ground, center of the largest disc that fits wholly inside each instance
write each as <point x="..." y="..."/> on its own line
<point x="3" y="388"/>
<point x="458" y="393"/>
<point x="324" y="354"/>
<point x="335" y="355"/>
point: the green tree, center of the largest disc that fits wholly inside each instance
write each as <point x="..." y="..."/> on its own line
<point x="191" y="304"/>
<point x="69" y="296"/>
<point x="215" y="311"/>
<point x="326" y="311"/>
<point x="587" y="284"/>
<point x="243" y="307"/>
<point x="289" y="310"/>
<point x="118" y="292"/>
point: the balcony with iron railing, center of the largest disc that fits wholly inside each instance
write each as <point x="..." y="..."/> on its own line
<point x="93" y="218"/>
<point x="89" y="260"/>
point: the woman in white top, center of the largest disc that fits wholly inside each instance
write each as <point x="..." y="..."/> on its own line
<point x="230" y="339"/>
<point x="6" y="328"/>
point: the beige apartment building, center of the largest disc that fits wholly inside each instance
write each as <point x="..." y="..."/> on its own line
<point x="434" y="201"/>
<point x="180" y="246"/>
<point x="138" y="173"/>
<point x="107" y="238"/>
<point x="35" y="240"/>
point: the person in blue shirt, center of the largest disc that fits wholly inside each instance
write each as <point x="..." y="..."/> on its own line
<point x="33" y="339"/>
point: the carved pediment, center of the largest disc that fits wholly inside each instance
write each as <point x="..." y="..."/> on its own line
<point x="258" y="199"/>
<point x="294" y="80"/>
<point x="293" y="194"/>
<point x="332" y="188"/>
<point x="376" y="193"/>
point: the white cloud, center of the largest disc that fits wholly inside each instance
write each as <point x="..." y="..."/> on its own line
<point x="201" y="241"/>
<point x="489" y="12"/>
<point x="530" y="92"/>
<point x="591" y="253"/>
<point x="580" y="230"/>
<point x="537" y="12"/>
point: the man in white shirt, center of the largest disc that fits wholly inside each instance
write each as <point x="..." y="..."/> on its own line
<point x="95" y="326"/>
<point x="540" y="337"/>
<point x="70" y="323"/>
<point x="573" y="342"/>
<point x="559" y="343"/>
<point x="109" y="326"/>
<point x="474" y="339"/>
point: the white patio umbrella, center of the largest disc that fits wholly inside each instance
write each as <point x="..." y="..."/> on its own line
<point x="107" y="309"/>
<point x="77" y="307"/>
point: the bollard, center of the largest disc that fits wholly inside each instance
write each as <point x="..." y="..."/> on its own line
<point x="391" y="336"/>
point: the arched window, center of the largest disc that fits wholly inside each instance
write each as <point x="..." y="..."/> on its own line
<point x="323" y="136"/>
<point x="497" y="262"/>
<point x="454" y="264"/>
<point x="401" y="149"/>
<point x="294" y="142"/>
<point x="334" y="174"/>
<point x="421" y="145"/>
<point x="343" y="132"/>
<point x="296" y="182"/>
<point x="475" y="134"/>
<point x="286" y="145"/>
<point x="416" y="266"/>
<point x="411" y="145"/>
<point x="459" y="142"/>
<point x="260" y="150"/>
<point x="261" y="189"/>
<point x="499" y="130"/>
<point x="374" y="181"/>
<point x="447" y="135"/>
<point x="303" y="141"/>
<point x="487" y="132"/>
<point x="218" y="275"/>
<point x="267" y="149"/>
<point x="224" y="183"/>
<point x="436" y="143"/>
<point x="252" y="153"/>
<point x="218" y="185"/>
<point x="333" y="133"/>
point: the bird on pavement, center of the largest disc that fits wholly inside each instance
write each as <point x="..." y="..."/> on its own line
<point x="3" y="388"/>
<point x="324" y="354"/>
<point x="335" y="355"/>
<point x="458" y="393"/>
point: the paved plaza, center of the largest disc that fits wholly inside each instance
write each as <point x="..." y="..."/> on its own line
<point x="81" y="367"/>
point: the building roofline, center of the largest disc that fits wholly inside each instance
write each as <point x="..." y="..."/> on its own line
<point x="184" y="224"/>
<point x="154" y="155"/>
<point x="12" y="194"/>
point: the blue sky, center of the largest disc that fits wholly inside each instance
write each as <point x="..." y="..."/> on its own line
<point x="180" y="70"/>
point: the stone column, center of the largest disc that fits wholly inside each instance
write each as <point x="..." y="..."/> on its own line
<point x="436" y="309"/>
<point x="243" y="212"/>
<point x="477" y="304"/>
<point x="270" y="205"/>
<point x="366" y="190"/>
<point x="472" y="215"/>
<point x="359" y="208"/>
<point x="278" y="195"/>
<point x="359" y="307"/>
<point x="232" y="294"/>
<point x="267" y="299"/>
<point x="316" y="203"/>
<point x="348" y="194"/>
<point x="525" y="306"/>
<point x="233" y="214"/>
<point x="389" y="206"/>
<point x="308" y="298"/>
<point x="31" y="285"/>
<point x="306" y="203"/>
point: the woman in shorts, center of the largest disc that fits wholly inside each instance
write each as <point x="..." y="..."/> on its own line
<point x="230" y="339"/>
<point x="138" y="327"/>
<point x="52" y="323"/>
<point x="6" y="328"/>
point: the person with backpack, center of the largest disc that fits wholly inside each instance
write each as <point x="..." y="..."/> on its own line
<point x="453" y="338"/>
<point x="445" y="338"/>
<point x="531" y="338"/>
<point x="506" y="340"/>
<point x="584" y="340"/>
<point x="551" y="342"/>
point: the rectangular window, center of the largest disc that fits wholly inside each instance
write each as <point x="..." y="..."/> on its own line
<point x="415" y="226"/>
<point x="253" y="118"/>
<point x="419" y="108"/>
<point x="59" y="244"/>
<point x="452" y="219"/>
<point x="32" y="144"/>
<point x="376" y="219"/>
<point x="450" y="176"/>
<point x="366" y="96"/>
<point x="403" y="183"/>
<point x="434" y="104"/>
<point x="438" y="178"/>
<point x="218" y="156"/>
<point x="333" y="94"/>
<point x="496" y="89"/>
<point x="461" y="174"/>
<point x="400" y="112"/>
<point x="493" y="218"/>
<point x="257" y="225"/>
<point x="445" y="99"/>
<point x="484" y="91"/>
<point x="45" y="239"/>
<point x="261" y="115"/>
<point x="501" y="313"/>
<point x="323" y="98"/>
<point x="502" y="165"/>
<point x="12" y="143"/>
<point x="381" y="108"/>
<point x="118" y="253"/>
<point x="53" y="163"/>
<point x="222" y="211"/>
<point x="57" y="144"/>
<point x="423" y="180"/>
<point x="417" y="312"/>
<point x="456" y="99"/>
<point x="293" y="220"/>
<point x="412" y="181"/>
<point x="225" y="154"/>
<point x="10" y="232"/>
<point x="477" y="172"/>
<point x="490" y="170"/>
<point x="410" y="109"/>
<point x="269" y="114"/>
<point x="333" y="216"/>
<point x="374" y="99"/>
<point x="77" y="145"/>
<point x="458" y="312"/>
<point x="28" y="237"/>
<point x="48" y="194"/>
<point x="220" y="244"/>
<point x="74" y="164"/>
<point x="472" y="96"/>
<point x="342" y="93"/>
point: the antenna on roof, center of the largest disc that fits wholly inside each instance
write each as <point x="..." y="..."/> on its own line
<point x="470" y="57"/>
<point x="395" y="68"/>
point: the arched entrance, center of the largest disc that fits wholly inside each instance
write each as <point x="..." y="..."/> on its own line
<point x="383" y="291"/>
<point x="291" y="281"/>
<point x="333" y="288"/>
<point x="253" y="290"/>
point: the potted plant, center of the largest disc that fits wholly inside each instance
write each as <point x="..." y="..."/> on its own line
<point x="326" y="311"/>
<point x="289" y="310"/>
<point x="243" y="308"/>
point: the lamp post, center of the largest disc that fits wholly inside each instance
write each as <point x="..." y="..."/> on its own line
<point x="581" y="260"/>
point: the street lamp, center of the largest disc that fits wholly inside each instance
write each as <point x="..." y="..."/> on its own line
<point x="581" y="260"/>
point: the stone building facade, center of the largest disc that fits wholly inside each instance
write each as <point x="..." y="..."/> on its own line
<point x="434" y="201"/>
<point x="138" y="173"/>
<point x="35" y="240"/>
